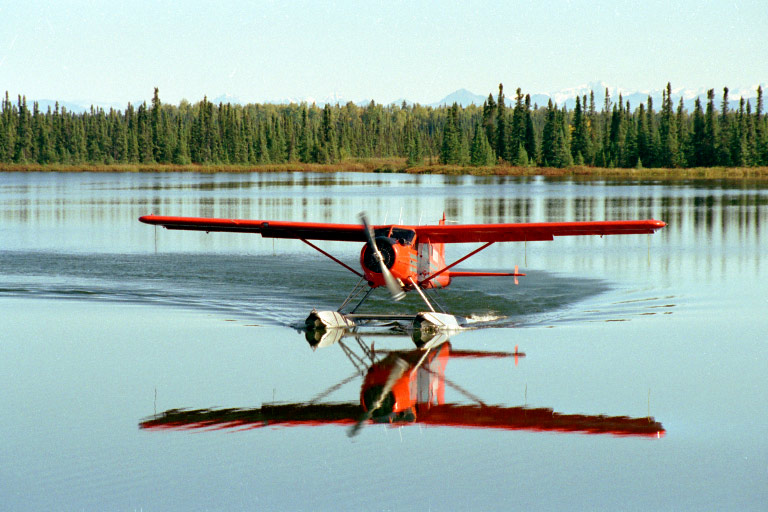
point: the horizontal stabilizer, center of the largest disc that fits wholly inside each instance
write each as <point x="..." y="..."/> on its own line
<point x="486" y="274"/>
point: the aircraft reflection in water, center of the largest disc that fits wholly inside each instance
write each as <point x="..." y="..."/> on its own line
<point x="402" y="387"/>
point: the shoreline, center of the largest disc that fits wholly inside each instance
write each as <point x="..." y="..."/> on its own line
<point x="397" y="166"/>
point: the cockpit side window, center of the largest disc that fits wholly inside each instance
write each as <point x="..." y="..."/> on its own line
<point x="382" y="232"/>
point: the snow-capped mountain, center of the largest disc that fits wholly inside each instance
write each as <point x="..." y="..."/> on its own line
<point x="330" y="99"/>
<point x="567" y="97"/>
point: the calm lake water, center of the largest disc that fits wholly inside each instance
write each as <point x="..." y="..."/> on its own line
<point x="144" y="369"/>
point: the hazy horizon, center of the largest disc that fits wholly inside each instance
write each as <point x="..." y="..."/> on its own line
<point x="268" y="51"/>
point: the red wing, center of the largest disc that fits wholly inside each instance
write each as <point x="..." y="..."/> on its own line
<point x="435" y="234"/>
<point x="267" y="228"/>
<point x="531" y="232"/>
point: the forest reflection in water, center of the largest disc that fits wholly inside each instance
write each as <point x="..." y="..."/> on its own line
<point x="684" y="209"/>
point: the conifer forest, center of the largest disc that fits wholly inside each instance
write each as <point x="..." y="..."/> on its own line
<point x="613" y="134"/>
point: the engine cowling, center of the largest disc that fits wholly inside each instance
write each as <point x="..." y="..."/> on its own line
<point x="388" y="254"/>
<point x="397" y="258"/>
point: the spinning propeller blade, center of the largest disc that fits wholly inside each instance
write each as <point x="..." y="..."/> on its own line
<point x="394" y="288"/>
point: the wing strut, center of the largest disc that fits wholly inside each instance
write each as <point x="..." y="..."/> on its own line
<point x="331" y="257"/>
<point x="429" y="278"/>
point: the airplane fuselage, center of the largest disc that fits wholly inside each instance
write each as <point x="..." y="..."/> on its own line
<point x="408" y="259"/>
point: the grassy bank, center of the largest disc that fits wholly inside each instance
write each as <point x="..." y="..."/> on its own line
<point x="706" y="173"/>
<point x="346" y="166"/>
<point x="396" y="165"/>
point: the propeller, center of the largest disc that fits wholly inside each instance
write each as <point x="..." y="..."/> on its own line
<point x="394" y="288"/>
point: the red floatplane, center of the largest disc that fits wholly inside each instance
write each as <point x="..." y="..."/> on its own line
<point x="404" y="258"/>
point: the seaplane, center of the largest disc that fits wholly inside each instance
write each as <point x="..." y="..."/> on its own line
<point x="400" y="388"/>
<point x="403" y="258"/>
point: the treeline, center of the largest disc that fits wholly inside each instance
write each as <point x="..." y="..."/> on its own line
<point x="521" y="134"/>
<point x="617" y="136"/>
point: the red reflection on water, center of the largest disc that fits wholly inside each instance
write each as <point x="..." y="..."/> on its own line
<point x="408" y="387"/>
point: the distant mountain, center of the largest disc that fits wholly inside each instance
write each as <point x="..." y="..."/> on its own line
<point x="567" y="97"/>
<point x="331" y="99"/>
<point x="227" y="98"/>
<point x="564" y="97"/>
<point x="463" y="97"/>
<point x="77" y="106"/>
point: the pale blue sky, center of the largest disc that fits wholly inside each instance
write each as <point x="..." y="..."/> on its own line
<point x="259" y="51"/>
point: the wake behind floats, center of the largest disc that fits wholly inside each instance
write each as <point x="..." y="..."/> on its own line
<point x="403" y="258"/>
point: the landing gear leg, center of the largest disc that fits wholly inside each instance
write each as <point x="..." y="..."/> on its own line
<point x="421" y="293"/>
<point x="321" y="320"/>
<point x="354" y="293"/>
<point x="361" y="300"/>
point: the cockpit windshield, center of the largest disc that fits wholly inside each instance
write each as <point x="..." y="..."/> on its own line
<point x="404" y="236"/>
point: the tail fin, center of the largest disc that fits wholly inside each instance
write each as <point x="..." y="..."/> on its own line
<point x="440" y="260"/>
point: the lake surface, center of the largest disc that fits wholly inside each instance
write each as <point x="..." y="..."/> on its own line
<point x="145" y="369"/>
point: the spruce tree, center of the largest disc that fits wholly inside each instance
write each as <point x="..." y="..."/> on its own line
<point x="723" y="139"/>
<point x="415" y="155"/>
<point x="263" y="149"/>
<point x="684" y="150"/>
<point x="530" y="132"/>
<point x="7" y="120"/>
<point x="118" y="138"/>
<point x="548" y="137"/>
<point x="738" y="144"/>
<point x="562" y="149"/>
<point x="43" y="149"/>
<point x="698" y="137"/>
<point x="629" y="144"/>
<point x="489" y="120"/>
<point x="517" y="133"/>
<point x="305" y="137"/>
<point x="709" y="140"/>
<point x="654" y="137"/>
<point x="643" y="137"/>
<point x="616" y="137"/>
<point x="761" y="131"/>
<point x="291" y="143"/>
<point x="668" y="147"/>
<point x="329" y="142"/>
<point x="521" y="158"/>
<point x="180" y="150"/>
<point x="595" y="137"/>
<point x="501" y="126"/>
<point x="156" y="134"/>
<point x="144" y="136"/>
<point x="580" y="149"/>
<point x="23" y="139"/>
<point x="451" y="150"/>
<point x="605" y="127"/>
